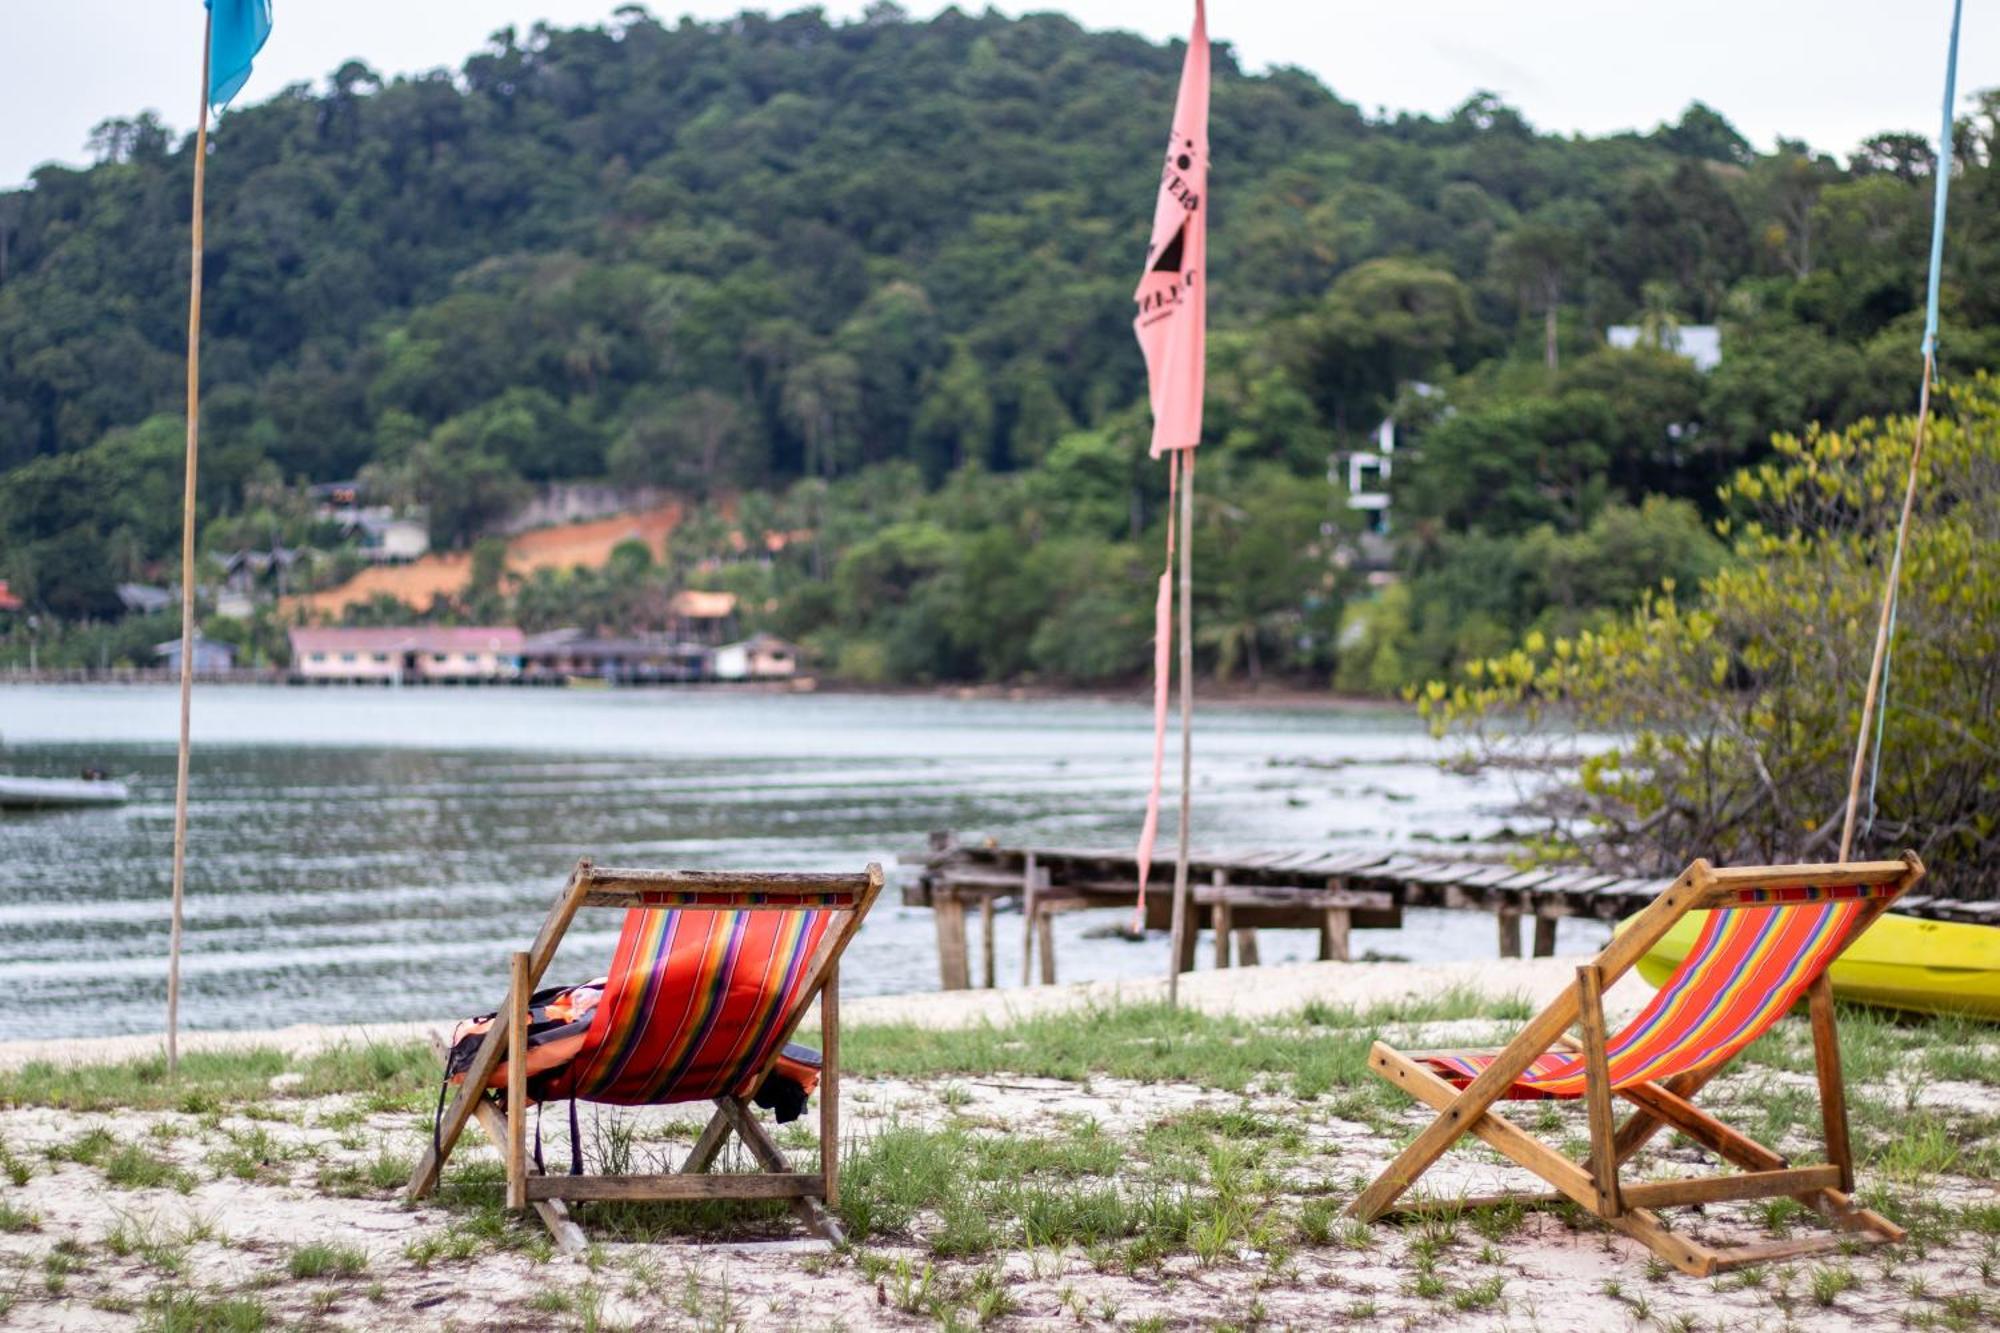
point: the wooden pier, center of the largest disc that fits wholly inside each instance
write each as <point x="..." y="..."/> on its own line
<point x="1333" y="890"/>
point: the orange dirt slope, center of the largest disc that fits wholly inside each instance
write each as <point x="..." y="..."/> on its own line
<point x="445" y="574"/>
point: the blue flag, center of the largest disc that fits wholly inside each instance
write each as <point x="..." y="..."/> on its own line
<point x="237" y="35"/>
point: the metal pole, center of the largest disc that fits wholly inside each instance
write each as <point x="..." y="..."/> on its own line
<point x="1865" y="755"/>
<point x="1885" y="625"/>
<point x="187" y="567"/>
<point x="1181" y="924"/>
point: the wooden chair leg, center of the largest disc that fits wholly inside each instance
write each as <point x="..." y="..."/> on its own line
<point x="1639" y="1129"/>
<point x="709" y="1145"/>
<point x="492" y="1121"/>
<point x="517" y="1082"/>
<point x="829" y="1073"/>
<point x="423" y="1179"/>
<point x="1597" y="1092"/>
<point x="1500" y="1133"/>
<point x="1832" y="1087"/>
<point x="809" y="1211"/>
<point x="1462" y="1108"/>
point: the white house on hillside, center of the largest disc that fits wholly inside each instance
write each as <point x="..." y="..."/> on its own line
<point x="1699" y="343"/>
<point x="759" y="657"/>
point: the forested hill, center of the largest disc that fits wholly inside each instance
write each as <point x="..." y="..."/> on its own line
<point x="728" y="256"/>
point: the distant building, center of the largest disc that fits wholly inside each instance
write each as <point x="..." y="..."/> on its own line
<point x="416" y="653"/>
<point x="759" y="657"/>
<point x="144" y="599"/>
<point x="389" y="539"/>
<point x="246" y="574"/>
<point x="210" y="658"/>
<point x="1368" y="472"/>
<point x="570" y="654"/>
<point x="1365" y="475"/>
<point x="701" y="617"/>
<point x="384" y="535"/>
<point x="1699" y="343"/>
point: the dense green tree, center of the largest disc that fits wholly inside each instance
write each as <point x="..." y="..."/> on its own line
<point x="860" y="293"/>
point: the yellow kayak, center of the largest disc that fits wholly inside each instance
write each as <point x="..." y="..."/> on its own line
<point x="1938" y="967"/>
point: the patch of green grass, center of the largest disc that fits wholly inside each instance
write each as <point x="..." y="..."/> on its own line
<point x="1483" y="1295"/>
<point x="251" y="1154"/>
<point x="126" y="1165"/>
<point x="58" y="1264"/>
<point x="160" y="1244"/>
<point x="1314" y="1051"/>
<point x="351" y="1180"/>
<point x="388" y="1077"/>
<point x="1923" y="1150"/>
<point x="16" y="1219"/>
<point x="134" y="1167"/>
<point x="177" y="1310"/>
<point x="86" y="1149"/>
<point x="1194" y="1132"/>
<point x="452" y="1244"/>
<point x="205" y="1078"/>
<point x="327" y="1259"/>
<point x="1828" y="1283"/>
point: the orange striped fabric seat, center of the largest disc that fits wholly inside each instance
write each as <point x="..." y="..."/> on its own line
<point x="696" y="1004"/>
<point x="1750" y="965"/>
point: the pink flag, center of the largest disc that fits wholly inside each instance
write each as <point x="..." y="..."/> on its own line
<point x="1172" y="322"/>
<point x="1172" y="327"/>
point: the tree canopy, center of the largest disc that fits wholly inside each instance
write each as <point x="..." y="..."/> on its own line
<point x="876" y="276"/>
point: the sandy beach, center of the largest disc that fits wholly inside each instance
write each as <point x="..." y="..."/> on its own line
<point x="1206" y="1200"/>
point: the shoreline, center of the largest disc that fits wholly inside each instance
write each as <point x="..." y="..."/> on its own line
<point x="1229" y="697"/>
<point x="1248" y="992"/>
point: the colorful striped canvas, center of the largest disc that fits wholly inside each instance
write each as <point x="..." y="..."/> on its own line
<point x="1748" y="968"/>
<point x="696" y="1005"/>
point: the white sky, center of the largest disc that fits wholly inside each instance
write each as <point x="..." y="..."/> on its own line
<point x="1829" y="71"/>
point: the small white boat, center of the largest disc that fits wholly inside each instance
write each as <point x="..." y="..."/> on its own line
<point x="19" y="793"/>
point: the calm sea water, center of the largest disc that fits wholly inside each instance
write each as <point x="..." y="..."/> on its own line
<point x="359" y="855"/>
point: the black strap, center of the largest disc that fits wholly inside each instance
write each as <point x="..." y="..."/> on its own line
<point x="540" y="1170"/>
<point x="575" y="1142"/>
<point x="444" y="1086"/>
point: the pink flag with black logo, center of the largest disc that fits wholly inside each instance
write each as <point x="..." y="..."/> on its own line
<point x="1172" y="327"/>
<point x="1172" y="321"/>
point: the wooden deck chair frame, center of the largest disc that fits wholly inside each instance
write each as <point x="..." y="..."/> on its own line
<point x="1596" y="1186"/>
<point x="811" y="1194"/>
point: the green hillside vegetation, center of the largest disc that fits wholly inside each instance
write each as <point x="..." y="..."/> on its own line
<point x="871" y="281"/>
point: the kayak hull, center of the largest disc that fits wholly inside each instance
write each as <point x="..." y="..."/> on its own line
<point x="18" y="793"/>
<point x="1934" y="967"/>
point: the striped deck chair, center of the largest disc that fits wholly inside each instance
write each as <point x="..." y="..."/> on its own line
<point x="1769" y="935"/>
<point x="713" y="972"/>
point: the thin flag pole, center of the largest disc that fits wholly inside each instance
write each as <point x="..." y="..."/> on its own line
<point x="1868" y="737"/>
<point x="187" y="566"/>
<point x="1187" y="729"/>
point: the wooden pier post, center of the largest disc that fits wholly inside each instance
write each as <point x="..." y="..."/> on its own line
<point x="1545" y="936"/>
<point x="1030" y="888"/>
<point x="986" y="940"/>
<point x="1510" y="930"/>
<point x="1334" y="940"/>
<point x="948" y="911"/>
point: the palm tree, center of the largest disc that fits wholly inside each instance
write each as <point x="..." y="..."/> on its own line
<point x="1659" y="322"/>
